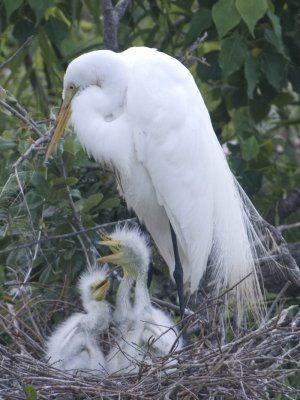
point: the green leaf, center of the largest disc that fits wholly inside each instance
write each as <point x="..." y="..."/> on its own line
<point x="56" y="30"/>
<point x="251" y="74"/>
<point x="232" y="55"/>
<point x="110" y="203"/>
<point x="212" y="71"/>
<point x="40" y="183"/>
<point x="274" y="40"/>
<point x="87" y="204"/>
<point x="39" y="7"/>
<point x="283" y="99"/>
<point x="251" y="11"/>
<point x="251" y="181"/>
<point x="30" y="392"/>
<point x="225" y="16"/>
<point x="11" y="6"/>
<point x="250" y="148"/>
<point x="294" y="77"/>
<point x="7" y="144"/>
<point x="275" y="21"/>
<point x="59" y="183"/>
<point x="200" y="21"/>
<point x="259" y="108"/>
<point x="274" y="67"/>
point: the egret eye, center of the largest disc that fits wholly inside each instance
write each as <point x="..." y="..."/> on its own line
<point x="71" y="87"/>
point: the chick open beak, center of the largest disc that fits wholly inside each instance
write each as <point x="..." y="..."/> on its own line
<point x="99" y="289"/>
<point x="61" y="122"/>
<point x="115" y="247"/>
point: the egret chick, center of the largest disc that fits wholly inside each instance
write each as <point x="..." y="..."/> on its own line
<point x="73" y="345"/>
<point x="142" y="327"/>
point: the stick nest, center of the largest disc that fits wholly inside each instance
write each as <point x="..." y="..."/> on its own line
<point x="258" y="364"/>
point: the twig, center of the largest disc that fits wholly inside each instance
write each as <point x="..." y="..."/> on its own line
<point x="111" y="18"/>
<point x="171" y="306"/>
<point x="288" y="226"/>
<point x="68" y="235"/>
<point x="27" y="121"/>
<point x="34" y="146"/>
<point x="189" y="57"/>
<point x="17" y="52"/>
<point x="90" y="250"/>
<point x="275" y="302"/>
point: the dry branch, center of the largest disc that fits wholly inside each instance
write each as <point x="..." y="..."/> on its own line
<point x="111" y="19"/>
<point x="17" y="52"/>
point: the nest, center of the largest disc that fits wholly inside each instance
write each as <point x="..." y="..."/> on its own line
<point x="258" y="364"/>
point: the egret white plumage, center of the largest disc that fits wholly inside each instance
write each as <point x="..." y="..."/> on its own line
<point x="140" y="112"/>
<point x="142" y="327"/>
<point x="73" y="345"/>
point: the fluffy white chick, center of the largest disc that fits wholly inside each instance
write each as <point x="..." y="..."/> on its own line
<point x="142" y="327"/>
<point x="73" y="345"/>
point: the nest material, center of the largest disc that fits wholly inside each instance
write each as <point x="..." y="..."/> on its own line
<point x="255" y="365"/>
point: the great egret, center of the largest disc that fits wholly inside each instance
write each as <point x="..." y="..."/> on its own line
<point x="142" y="327"/>
<point x="141" y="113"/>
<point x="73" y="345"/>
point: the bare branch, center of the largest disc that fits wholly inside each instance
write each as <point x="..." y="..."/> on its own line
<point x="111" y="18"/>
<point x="188" y="58"/>
<point x="17" y="113"/>
<point x="120" y="8"/>
<point x="33" y="147"/>
<point x="88" y="246"/>
<point x="19" y="50"/>
<point x="288" y="227"/>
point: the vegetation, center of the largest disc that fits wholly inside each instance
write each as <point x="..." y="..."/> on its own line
<point x="245" y="58"/>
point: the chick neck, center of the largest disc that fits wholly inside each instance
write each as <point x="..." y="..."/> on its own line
<point x="97" y="314"/>
<point x="142" y="297"/>
<point x="123" y="304"/>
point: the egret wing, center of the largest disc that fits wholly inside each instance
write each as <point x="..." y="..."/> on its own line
<point x="172" y="136"/>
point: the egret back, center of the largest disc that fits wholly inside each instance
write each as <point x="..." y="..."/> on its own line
<point x="176" y="144"/>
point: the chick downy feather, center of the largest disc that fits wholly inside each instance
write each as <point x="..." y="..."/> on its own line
<point x="73" y="345"/>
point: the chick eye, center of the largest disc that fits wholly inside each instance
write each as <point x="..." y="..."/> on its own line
<point x="72" y="87"/>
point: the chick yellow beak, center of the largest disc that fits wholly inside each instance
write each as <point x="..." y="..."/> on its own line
<point x="61" y="121"/>
<point x="115" y="247"/>
<point x="99" y="289"/>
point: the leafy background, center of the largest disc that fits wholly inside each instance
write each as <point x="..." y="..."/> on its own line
<point x="247" y="66"/>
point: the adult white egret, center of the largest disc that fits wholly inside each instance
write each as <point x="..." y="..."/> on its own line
<point x="73" y="345"/>
<point x="141" y="113"/>
<point x="142" y="327"/>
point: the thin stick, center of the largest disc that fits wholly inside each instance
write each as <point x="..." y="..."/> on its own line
<point x="68" y="235"/>
<point x="17" y="52"/>
<point x="22" y="118"/>
<point x="33" y="147"/>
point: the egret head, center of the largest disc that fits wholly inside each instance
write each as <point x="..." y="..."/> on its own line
<point x="93" y="286"/>
<point x="99" y="68"/>
<point x="130" y="250"/>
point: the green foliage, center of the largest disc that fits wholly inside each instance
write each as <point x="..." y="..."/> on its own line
<point x="30" y="392"/>
<point x="225" y="16"/>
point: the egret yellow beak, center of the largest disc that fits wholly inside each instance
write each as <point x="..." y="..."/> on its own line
<point x="99" y="289"/>
<point x="61" y="121"/>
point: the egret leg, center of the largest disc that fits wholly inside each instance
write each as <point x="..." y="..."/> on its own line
<point x="178" y="273"/>
<point x="150" y="269"/>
